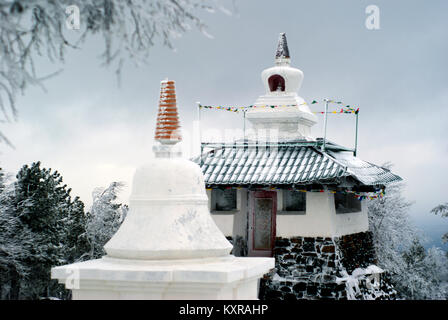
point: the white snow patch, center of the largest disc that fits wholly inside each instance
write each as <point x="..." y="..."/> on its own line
<point x="370" y="274"/>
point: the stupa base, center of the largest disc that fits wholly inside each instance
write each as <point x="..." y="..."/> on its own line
<point x="224" y="278"/>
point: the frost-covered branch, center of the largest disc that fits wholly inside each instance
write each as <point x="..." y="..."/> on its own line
<point x="129" y="28"/>
<point x="104" y="218"/>
<point x="416" y="273"/>
<point x="442" y="209"/>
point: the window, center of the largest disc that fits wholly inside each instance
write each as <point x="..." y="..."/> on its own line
<point x="223" y="200"/>
<point x="294" y="200"/>
<point x="346" y="203"/>
<point x="276" y="83"/>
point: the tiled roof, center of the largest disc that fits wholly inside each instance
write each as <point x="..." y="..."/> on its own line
<point x="287" y="164"/>
<point x="366" y="172"/>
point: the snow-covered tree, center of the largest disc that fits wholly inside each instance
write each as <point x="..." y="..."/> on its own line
<point x="425" y="273"/>
<point x="391" y="227"/>
<point x="442" y="209"/>
<point x="39" y="208"/>
<point x="41" y="226"/>
<point x="75" y="232"/>
<point x="47" y="28"/>
<point x="15" y="246"/>
<point x="437" y="262"/>
<point x="104" y="218"/>
<point x="414" y="272"/>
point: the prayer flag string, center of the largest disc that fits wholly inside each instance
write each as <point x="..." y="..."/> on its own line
<point x="343" y="110"/>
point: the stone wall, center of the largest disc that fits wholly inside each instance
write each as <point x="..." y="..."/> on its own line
<point x="307" y="268"/>
<point x="357" y="250"/>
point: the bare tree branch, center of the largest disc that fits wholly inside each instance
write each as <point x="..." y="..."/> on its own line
<point x="129" y="28"/>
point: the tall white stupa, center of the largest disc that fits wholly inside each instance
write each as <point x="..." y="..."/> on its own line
<point x="291" y="116"/>
<point x="168" y="247"/>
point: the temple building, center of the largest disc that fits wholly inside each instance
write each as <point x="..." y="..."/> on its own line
<point x="280" y="192"/>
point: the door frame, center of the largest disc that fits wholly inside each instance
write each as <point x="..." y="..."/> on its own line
<point x="252" y="252"/>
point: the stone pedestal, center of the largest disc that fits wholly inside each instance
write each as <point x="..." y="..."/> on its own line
<point x="226" y="278"/>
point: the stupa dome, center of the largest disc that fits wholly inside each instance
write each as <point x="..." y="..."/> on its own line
<point x="168" y="209"/>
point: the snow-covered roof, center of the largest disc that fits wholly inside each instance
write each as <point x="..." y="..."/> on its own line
<point x="288" y="163"/>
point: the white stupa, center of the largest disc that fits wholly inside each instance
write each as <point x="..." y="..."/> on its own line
<point x="168" y="247"/>
<point x="291" y="116"/>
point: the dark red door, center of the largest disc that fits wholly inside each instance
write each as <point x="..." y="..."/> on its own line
<point x="262" y="215"/>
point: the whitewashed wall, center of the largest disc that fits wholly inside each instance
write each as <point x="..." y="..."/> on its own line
<point x="225" y="220"/>
<point x="349" y="223"/>
<point x="319" y="220"/>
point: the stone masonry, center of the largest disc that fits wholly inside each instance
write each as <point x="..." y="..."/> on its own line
<point x="307" y="268"/>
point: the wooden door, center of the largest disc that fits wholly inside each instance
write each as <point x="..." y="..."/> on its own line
<point x="262" y="216"/>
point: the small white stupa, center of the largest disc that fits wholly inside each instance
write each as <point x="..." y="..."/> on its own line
<point x="168" y="247"/>
<point x="291" y="117"/>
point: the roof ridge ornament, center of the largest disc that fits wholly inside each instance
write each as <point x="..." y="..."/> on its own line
<point x="282" y="54"/>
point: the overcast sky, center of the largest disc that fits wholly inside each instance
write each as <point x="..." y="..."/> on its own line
<point x="95" y="132"/>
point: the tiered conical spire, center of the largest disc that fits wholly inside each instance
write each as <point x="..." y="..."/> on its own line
<point x="167" y="128"/>
<point x="282" y="47"/>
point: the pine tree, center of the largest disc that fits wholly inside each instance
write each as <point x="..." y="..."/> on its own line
<point x="76" y="242"/>
<point x="15" y="244"/>
<point x="44" y="206"/>
<point x="41" y="226"/>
